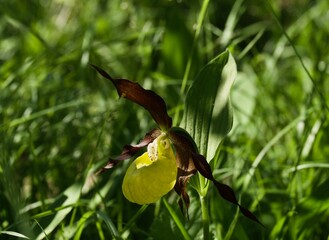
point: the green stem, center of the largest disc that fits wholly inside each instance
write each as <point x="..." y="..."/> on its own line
<point x="205" y="217"/>
<point x="203" y="189"/>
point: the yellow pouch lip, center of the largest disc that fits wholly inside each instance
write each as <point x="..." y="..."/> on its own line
<point x="152" y="175"/>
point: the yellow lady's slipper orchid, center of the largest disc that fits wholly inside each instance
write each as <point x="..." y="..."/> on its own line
<point x="159" y="170"/>
<point x="151" y="175"/>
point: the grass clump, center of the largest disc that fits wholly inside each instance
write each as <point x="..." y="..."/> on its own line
<point x="59" y="122"/>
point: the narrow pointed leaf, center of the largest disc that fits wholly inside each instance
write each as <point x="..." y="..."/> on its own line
<point x="207" y="116"/>
<point x="130" y="150"/>
<point x="145" y="98"/>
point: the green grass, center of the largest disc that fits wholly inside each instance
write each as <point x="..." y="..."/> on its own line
<point x="59" y="121"/>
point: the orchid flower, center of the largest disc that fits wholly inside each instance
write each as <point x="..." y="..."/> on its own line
<point x="171" y="158"/>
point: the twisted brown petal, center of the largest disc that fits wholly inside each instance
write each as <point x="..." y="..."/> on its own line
<point x="145" y="98"/>
<point x="183" y="145"/>
<point x="130" y="150"/>
<point x="189" y="161"/>
<point x="180" y="186"/>
<point x="225" y="191"/>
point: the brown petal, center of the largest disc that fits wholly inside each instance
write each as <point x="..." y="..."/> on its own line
<point x="130" y="150"/>
<point x="145" y="98"/>
<point x="180" y="186"/>
<point x="225" y="191"/>
<point x="184" y="146"/>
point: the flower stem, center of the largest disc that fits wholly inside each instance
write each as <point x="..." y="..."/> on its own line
<point x="205" y="217"/>
<point x="204" y="206"/>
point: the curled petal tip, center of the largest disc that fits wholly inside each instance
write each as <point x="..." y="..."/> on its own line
<point x="145" y="98"/>
<point x="102" y="72"/>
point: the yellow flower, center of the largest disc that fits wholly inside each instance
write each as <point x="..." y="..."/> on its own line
<point x="159" y="170"/>
<point x="151" y="175"/>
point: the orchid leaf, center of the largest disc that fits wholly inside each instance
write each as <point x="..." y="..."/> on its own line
<point x="207" y="115"/>
<point x="208" y="118"/>
<point x="148" y="99"/>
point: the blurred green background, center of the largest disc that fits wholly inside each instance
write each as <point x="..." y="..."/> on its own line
<point x="59" y="121"/>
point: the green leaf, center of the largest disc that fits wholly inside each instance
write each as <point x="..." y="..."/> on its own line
<point x="208" y="116"/>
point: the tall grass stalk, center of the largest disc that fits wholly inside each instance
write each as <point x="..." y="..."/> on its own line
<point x="201" y="18"/>
<point x="284" y="32"/>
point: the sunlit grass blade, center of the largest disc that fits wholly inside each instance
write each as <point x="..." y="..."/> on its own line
<point x="134" y="218"/>
<point x="69" y="196"/>
<point x="41" y="113"/>
<point x="109" y="223"/>
<point x="200" y="21"/>
<point x="177" y="220"/>
<point x="298" y="55"/>
<point x="14" y="234"/>
<point x="230" y="231"/>
<point x="267" y="147"/>
<point x="82" y="223"/>
<point x="307" y="166"/>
